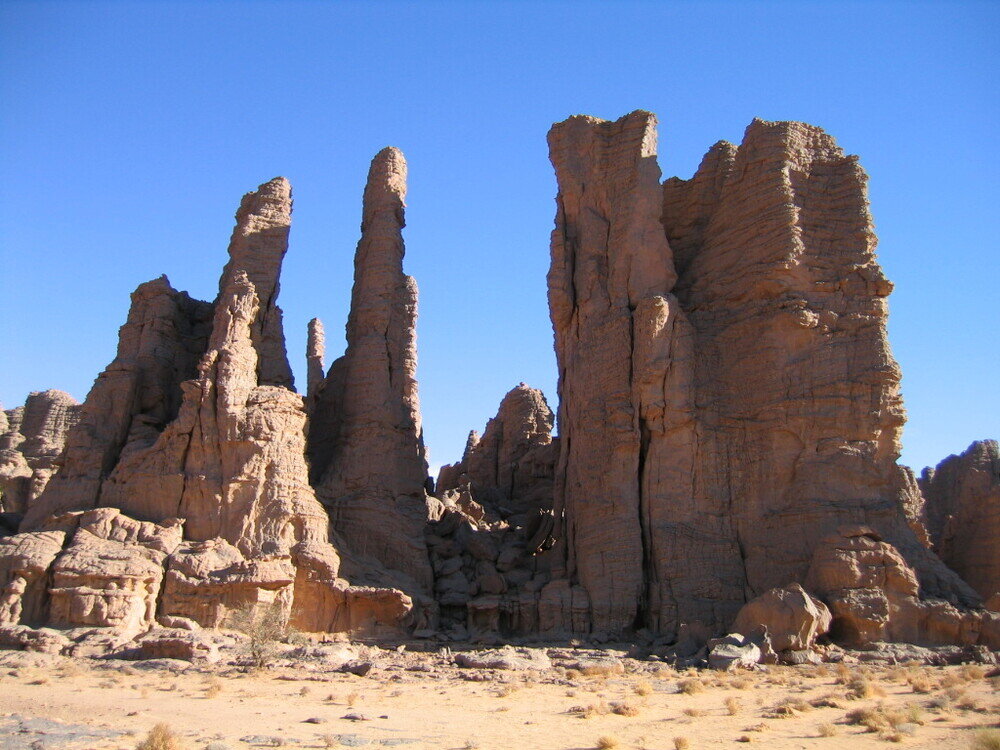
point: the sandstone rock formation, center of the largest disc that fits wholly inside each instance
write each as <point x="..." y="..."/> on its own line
<point x="511" y="465"/>
<point x="315" y="358"/>
<point x="366" y="448"/>
<point x="874" y="596"/>
<point x="31" y="438"/>
<point x="715" y="430"/>
<point x="793" y="619"/>
<point x="963" y="514"/>
<point x="257" y="248"/>
<point x="133" y="400"/>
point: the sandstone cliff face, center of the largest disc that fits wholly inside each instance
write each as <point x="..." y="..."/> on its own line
<point x="133" y="400"/>
<point x="366" y="447"/>
<point x="257" y="248"/>
<point x="609" y="255"/>
<point x="715" y="430"/>
<point x="963" y="514"/>
<point x="31" y="438"/>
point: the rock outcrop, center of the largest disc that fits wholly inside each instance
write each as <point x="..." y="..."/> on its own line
<point x="31" y="439"/>
<point x="875" y="596"/>
<point x="366" y="448"/>
<point x="257" y="248"/>
<point x="511" y="466"/>
<point x="716" y="428"/>
<point x="962" y="511"/>
<point x="315" y="362"/>
<point x="792" y="619"/>
<point x="133" y="400"/>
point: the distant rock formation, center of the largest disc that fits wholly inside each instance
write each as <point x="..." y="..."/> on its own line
<point x="511" y="466"/>
<point x="366" y="448"/>
<point x="963" y="514"/>
<point x="31" y="439"/>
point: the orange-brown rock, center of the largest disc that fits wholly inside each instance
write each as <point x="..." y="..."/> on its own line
<point x="610" y="259"/>
<point x="714" y="430"/>
<point x="512" y="465"/>
<point x="875" y="596"/>
<point x="257" y="247"/>
<point x="366" y="447"/>
<point x="31" y="439"/>
<point x="963" y="514"/>
<point x="315" y="367"/>
<point x="133" y="400"/>
<point x="25" y="560"/>
<point x="793" y="618"/>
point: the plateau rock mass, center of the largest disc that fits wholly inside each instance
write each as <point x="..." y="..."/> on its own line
<point x="725" y="463"/>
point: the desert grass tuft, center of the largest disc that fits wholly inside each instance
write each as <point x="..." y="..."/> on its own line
<point x="681" y="743"/>
<point x="160" y="737"/>
<point x="986" y="739"/>
<point x="690" y="686"/>
<point x="607" y="742"/>
<point x="733" y="705"/>
<point x="827" y="730"/>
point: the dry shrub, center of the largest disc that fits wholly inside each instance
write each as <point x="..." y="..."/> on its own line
<point x="161" y="737"/>
<point x="733" y="706"/>
<point x="264" y="626"/>
<point x="827" y="730"/>
<point x="830" y="700"/>
<point x="920" y="683"/>
<point x="330" y="740"/>
<point x="643" y="688"/>
<point x="607" y="742"/>
<point x="861" y="688"/>
<point x="694" y="712"/>
<point x="624" y="708"/>
<point x="952" y="679"/>
<point x="881" y="719"/>
<point x="844" y="674"/>
<point x="681" y="743"/>
<point x="691" y="686"/>
<point x="972" y="672"/>
<point x="353" y="698"/>
<point x="304" y="691"/>
<point x="742" y="683"/>
<point x="986" y="739"/>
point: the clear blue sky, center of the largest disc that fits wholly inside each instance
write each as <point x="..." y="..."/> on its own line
<point x="129" y="131"/>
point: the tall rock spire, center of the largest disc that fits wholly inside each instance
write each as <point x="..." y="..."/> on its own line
<point x="315" y="366"/>
<point x="609" y="258"/>
<point x="257" y="247"/>
<point x="366" y="444"/>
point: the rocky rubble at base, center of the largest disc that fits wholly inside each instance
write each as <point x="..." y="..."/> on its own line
<point x="723" y="490"/>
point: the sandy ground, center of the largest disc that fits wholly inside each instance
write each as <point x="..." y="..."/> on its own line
<point x="785" y="707"/>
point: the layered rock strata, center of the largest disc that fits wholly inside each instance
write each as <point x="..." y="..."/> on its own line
<point x="714" y="430"/>
<point x="962" y="511"/>
<point x="366" y="449"/>
<point x="31" y="438"/>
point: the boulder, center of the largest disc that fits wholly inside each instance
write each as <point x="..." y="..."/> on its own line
<point x="793" y="619"/>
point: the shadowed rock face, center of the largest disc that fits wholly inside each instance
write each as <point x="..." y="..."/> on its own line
<point x="712" y="435"/>
<point x="257" y="248"/>
<point x="963" y="514"/>
<point x="511" y="465"/>
<point x="31" y="438"/>
<point x="366" y="447"/>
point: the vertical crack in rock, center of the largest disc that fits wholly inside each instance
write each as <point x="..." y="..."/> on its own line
<point x="609" y="258"/>
<point x="366" y="446"/>
<point x="257" y="247"/>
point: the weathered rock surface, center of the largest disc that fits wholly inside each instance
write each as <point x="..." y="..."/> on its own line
<point x="512" y="465"/>
<point x="257" y="248"/>
<point x="31" y="439"/>
<point x="963" y="514"/>
<point x="133" y="400"/>
<point x="315" y="367"/>
<point x="793" y="619"/>
<point x="609" y="257"/>
<point x="875" y="596"/>
<point x="714" y="430"/>
<point x="366" y="448"/>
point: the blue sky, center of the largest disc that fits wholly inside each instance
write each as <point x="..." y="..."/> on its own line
<point x="130" y="130"/>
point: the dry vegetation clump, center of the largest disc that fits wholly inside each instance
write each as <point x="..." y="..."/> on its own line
<point x="624" y="708"/>
<point x="862" y="688"/>
<point x="986" y="739"/>
<point x="161" y="737"/>
<point x="213" y="686"/>
<point x="827" y="730"/>
<point x="264" y="627"/>
<point x="694" y="712"/>
<point x="741" y="683"/>
<point x="607" y="742"/>
<point x="681" y="743"/>
<point x="733" y="706"/>
<point x="690" y="686"/>
<point x="890" y="724"/>
<point x="830" y="700"/>
<point x="643" y="688"/>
